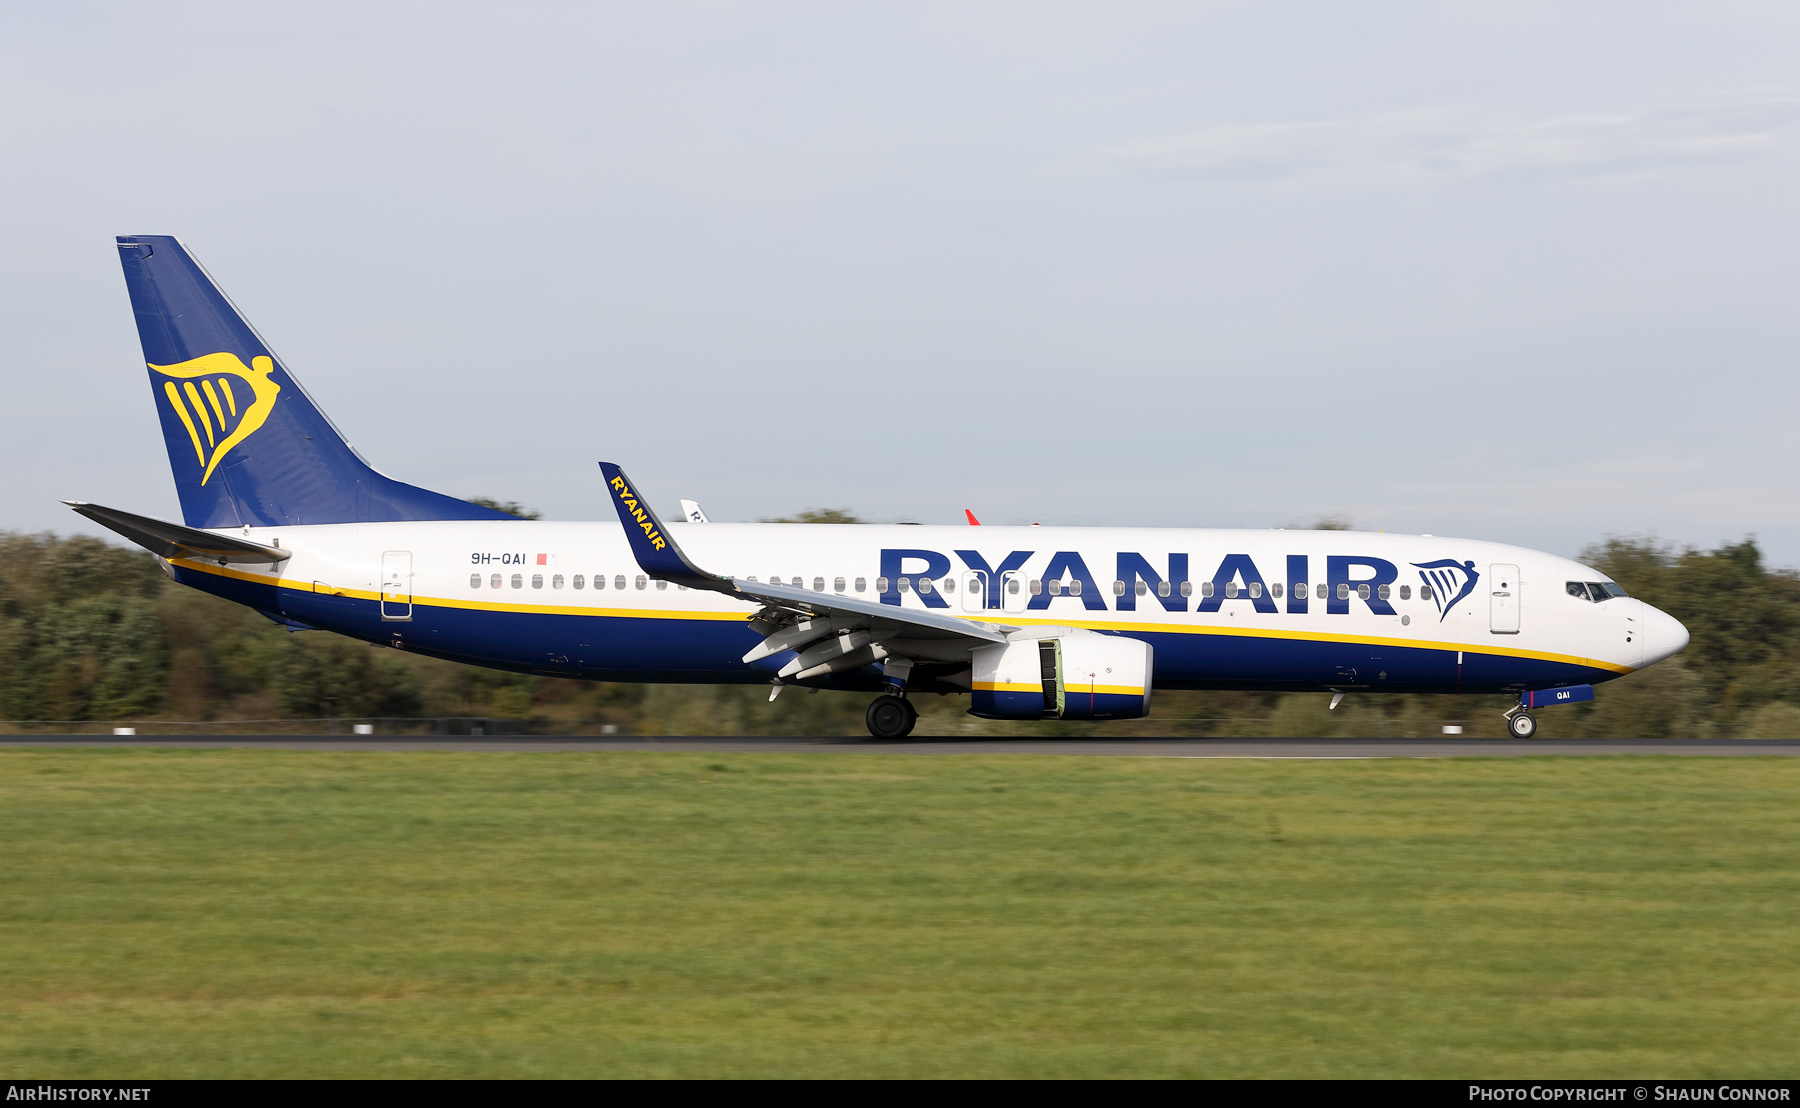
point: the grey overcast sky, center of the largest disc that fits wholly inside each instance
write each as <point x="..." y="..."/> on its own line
<point x="1508" y="270"/>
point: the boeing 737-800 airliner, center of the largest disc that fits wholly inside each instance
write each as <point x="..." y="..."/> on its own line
<point x="282" y="515"/>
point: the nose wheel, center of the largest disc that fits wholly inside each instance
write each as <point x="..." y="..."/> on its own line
<point x="890" y="717"/>
<point x="1522" y="725"/>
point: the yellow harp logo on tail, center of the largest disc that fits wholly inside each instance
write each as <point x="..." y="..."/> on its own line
<point x="217" y="413"/>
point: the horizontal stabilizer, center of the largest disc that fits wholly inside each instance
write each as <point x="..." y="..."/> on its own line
<point x="172" y="540"/>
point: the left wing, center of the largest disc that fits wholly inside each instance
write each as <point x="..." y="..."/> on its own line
<point x="830" y="632"/>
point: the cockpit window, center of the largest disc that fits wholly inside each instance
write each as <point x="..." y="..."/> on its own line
<point x="1595" y="591"/>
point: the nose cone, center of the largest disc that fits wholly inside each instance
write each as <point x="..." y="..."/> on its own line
<point x="1664" y="636"/>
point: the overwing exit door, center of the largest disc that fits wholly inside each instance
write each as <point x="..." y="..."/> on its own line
<point x="974" y="584"/>
<point x="396" y="585"/>
<point x="1013" y="593"/>
<point x="1503" y="599"/>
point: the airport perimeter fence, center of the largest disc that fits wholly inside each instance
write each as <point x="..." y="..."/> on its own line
<point x="352" y="727"/>
<point x="473" y="726"/>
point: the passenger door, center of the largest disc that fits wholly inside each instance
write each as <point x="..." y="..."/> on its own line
<point x="1503" y="599"/>
<point x="396" y="586"/>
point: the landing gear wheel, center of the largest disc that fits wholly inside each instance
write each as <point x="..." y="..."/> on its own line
<point x="891" y="717"/>
<point x="1522" y="726"/>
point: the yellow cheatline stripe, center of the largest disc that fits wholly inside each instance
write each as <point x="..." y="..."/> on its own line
<point x="193" y="395"/>
<point x="470" y="605"/>
<point x="1325" y="636"/>
<point x="230" y="397"/>
<point x="643" y="613"/>
<point x="1071" y="688"/>
<point x="186" y="420"/>
<point x="218" y="408"/>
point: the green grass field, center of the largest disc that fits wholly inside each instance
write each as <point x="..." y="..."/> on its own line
<point x="264" y="913"/>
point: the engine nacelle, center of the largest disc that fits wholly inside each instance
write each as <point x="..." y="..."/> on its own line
<point x="1076" y="674"/>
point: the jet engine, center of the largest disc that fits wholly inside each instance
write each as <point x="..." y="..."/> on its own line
<point x="1073" y="674"/>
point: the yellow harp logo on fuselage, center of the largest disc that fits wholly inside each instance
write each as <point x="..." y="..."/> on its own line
<point x="219" y="415"/>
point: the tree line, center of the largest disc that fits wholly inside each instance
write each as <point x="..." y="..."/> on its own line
<point x="93" y="631"/>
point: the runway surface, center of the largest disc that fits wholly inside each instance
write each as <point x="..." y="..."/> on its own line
<point x="1129" y="748"/>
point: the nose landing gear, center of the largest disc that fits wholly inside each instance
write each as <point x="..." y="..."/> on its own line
<point x="891" y="717"/>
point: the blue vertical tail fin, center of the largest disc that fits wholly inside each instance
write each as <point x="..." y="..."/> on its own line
<point x="247" y="445"/>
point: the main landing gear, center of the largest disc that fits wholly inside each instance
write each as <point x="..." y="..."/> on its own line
<point x="891" y="717"/>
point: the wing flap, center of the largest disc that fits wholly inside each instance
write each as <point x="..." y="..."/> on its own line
<point x="791" y="618"/>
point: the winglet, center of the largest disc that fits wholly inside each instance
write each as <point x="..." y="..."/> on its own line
<point x="973" y="522"/>
<point x="656" y="553"/>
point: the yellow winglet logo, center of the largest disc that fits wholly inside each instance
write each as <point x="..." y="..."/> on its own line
<point x="207" y="402"/>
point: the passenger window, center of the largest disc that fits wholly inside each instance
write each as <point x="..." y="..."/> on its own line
<point x="1119" y="587"/>
<point x="1037" y="587"/>
<point x="924" y="586"/>
<point x="1187" y="588"/>
<point x="474" y="580"/>
<point x="1143" y="587"/>
<point x="1162" y="588"/>
<point x="537" y="580"/>
<point x="662" y="584"/>
<point x="1055" y="587"/>
<point x="1206" y="588"/>
<point x="1320" y="592"/>
<point x="518" y="581"/>
<point x="818" y="584"/>
<point x="1343" y="592"/>
<point x="751" y="579"/>
<point x="905" y="584"/>
<point x="1256" y="588"/>
<point x="642" y="581"/>
<point x="1231" y="589"/>
<point x="557" y="581"/>
<point x="1300" y="590"/>
<point x="1406" y="592"/>
<point x="1381" y="591"/>
<point x="1012" y="586"/>
<point x="1275" y="590"/>
<point x="859" y="583"/>
<point x="1362" y="592"/>
<point x="1424" y="592"/>
<point x="881" y="584"/>
<point x="580" y="582"/>
<point x="619" y="581"/>
<point x="949" y="584"/>
<point x="1075" y="587"/>
<point x="837" y="585"/>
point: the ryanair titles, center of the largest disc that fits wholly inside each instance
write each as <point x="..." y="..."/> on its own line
<point x="637" y="513"/>
<point x="1344" y="580"/>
